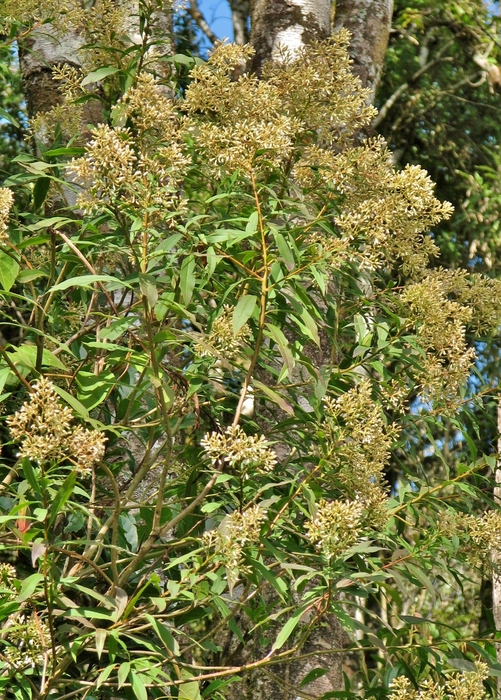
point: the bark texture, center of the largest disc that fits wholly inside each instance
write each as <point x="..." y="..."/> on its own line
<point x="240" y="17"/>
<point x="44" y="49"/>
<point x="496" y="557"/>
<point x="369" y="22"/>
<point x="288" y="23"/>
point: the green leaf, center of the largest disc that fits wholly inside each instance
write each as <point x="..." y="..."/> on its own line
<point x="283" y="346"/>
<point x="285" y="252"/>
<point x="105" y="673"/>
<point x="28" y="587"/>
<point x="122" y="674"/>
<point x="53" y="221"/>
<point x="164" y="634"/>
<point x="117" y="328"/>
<point x="62" y="496"/>
<point x="9" y="118"/>
<point x="414" y="620"/>
<point x="180" y="58"/>
<point x="312" y="676"/>
<point x="70" y="151"/>
<point x="40" y="191"/>
<point x="243" y="311"/>
<point x="287" y="629"/>
<point x="274" y="396"/>
<point x="26" y="276"/>
<point x="99" y="74"/>
<point x="72" y="401"/>
<point x="87" y="281"/>
<point x="187" y="278"/>
<point x="30" y="475"/>
<point x="100" y="638"/>
<point x="189" y="691"/>
<point x="9" y="268"/>
<point x="27" y="354"/>
<point x="138" y="686"/>
<point x="252" y="223"/>
<point x="148" y="288"/>
<point x="128" y="524"/>
<point x="93" y="389"/>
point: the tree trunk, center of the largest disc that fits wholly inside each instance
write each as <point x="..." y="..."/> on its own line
<point x="287" y="23"/>
<point x="240" y="18"/>
<point x="44" y="49"/>
<point x="369" y="22"/>
<point x="496" y="555"/>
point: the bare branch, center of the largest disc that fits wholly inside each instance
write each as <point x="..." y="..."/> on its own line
<point x="194" y="11"/>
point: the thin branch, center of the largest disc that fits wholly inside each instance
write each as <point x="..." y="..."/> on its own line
<point x="200" y="20"/>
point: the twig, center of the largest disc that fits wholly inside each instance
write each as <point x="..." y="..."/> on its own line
<point x="200" y="20"/>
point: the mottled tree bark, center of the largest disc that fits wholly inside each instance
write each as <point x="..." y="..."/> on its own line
<point x="369" y="22"/>
<point x="44" y="49"/>
<point x="496" y="556"/>
<point x="288" y="23"/>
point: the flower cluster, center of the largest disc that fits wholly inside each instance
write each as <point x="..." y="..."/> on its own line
<point x="6" y="201"/>
<point x="384" y="210"/>
<point x="239" y="450"/>
<point x="44" y="426"/>
<point x="483" y="531"/>
<point x="318" y="89"/>
<point x="233" y="534"/>
<point x="335" y="527"/>
<point x="441" y="328"/>
<point x="233" y="120"/>
<point x="357" y="446"/>
<point x="8" y="575"/>
<point x="141" y="165"/>
<point x="459" y="686"/>
<point x="221" y="340"/>
<point x="479" y="293"/>
<point x="28" y="641"/>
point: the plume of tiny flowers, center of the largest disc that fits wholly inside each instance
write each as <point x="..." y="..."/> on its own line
<point x="482" y="533"/>
<point x="335" y="527"/>
<point x="107" y="170"/>
<point x="8" y="575"/>
<point x="459" y="686"/>
<point x="238" y="449"/>
<point x="357" y="444"/>
<point x="44" y="428"/>
<point x="221" y="339"/>
<point x="28" y="641"/>
<point x="235" y="532"/>
<point x="6" y="201"/>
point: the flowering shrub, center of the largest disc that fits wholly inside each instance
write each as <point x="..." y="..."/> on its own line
<point x="211" y="360"/>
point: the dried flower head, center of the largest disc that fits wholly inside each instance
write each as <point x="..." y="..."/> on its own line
<point x="239" y="450"/>
<point x="335" y="527"/>
<point x="44" y="427"/>
<point x="6" y="202"/>
<point x="28" y="640"/>
<point x="221" y="340"/>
